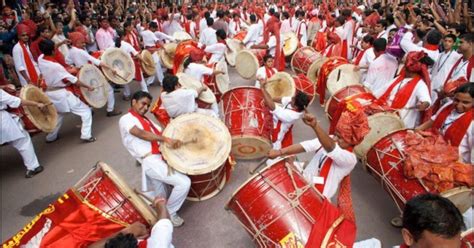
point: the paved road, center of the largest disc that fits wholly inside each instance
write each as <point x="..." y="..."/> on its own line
<point x="208" y="224"/>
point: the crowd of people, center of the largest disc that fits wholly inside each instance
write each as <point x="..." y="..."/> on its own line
<point x="415" y="57"/>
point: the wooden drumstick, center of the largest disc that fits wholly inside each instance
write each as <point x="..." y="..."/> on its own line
<point x="193" y="140"/>
<point x="252" y="171"/>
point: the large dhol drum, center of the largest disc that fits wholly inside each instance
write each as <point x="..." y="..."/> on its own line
<point x="148" y="64"/>
<point x="167" y="53"/>
<point x="182" y="36"/>
<point x="92" y="76"/>
<point x="219" y="84"/>
<point x="249" y="121"/>
<point x="303" y="84"/>
<point x="247" y="62"/>
<point x="117" y="59"/>
<point x="34" y="119"/>
<point x="385" y="160"/>
<point x="106" y="190"/>
<point x="206" y="97"/>
<point x="281" y="84"/>
<point x="306" y="61"/>
<point x="204" y="157"/>
<point x="278" y="208"/>
<point x="182" y="53"/>
<point x="347" y="94"/>
<point x="342" y="76"/>
<point x="234" y="47"/>
<point x="290" y="43"/>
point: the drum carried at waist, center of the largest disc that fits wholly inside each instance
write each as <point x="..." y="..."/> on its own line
<point x="34" y="119"/>
<point x="182" y="53"/>
<point x="219" y="84"/>
<point x="234" y="47"/>
<point x="247" y="62"/>
<point x="167" y="53"/>
<point x="352" y="93"/>
<point x="92" y="76"/>
<point x="123" y="64"/>
<point x="281" y="84"/>
<point x="148" y="64"/>
<point x="307" y="61"/>
<point x="249" y="121"/>
<point x="204" y="155"/>
<point x="278" y="208"/>
<point x="105" y="189"/>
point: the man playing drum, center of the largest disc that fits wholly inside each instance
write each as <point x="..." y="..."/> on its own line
<point x="253" y="34"/>
<point x="266" y="71"/>
<point x="142" y="139"/>
<point x="217" y="50"/>
<point x="177" y="100"/>
<point x="57" y="78"/>
<point x="333" y="159"/>
<point x="78" y="56"/>
<point x="14" y="133"/>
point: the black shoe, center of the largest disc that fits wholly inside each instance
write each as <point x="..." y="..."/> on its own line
<point x="89" y="140"/>
<point x="114" y="113"/>
<point x="31" y="173"/>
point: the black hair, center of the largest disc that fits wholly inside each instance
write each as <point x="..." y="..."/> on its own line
<point x="433" y="213"/>
<point x="267" y="57"/>
<point x="235" y="15"/>
<point x="301" y="100"/>
<point x="383" y="23"/>
<point x="220" y="33"/>
<point x="420" y="33"/>
<point x="46" y="46"/>
<point x="427" y="60"/>
<point x="450" y="36"/>
<point x="122" y="241"/>
<point x="393" y="30"/>
<point x="253" y="18"/>
<point x="368" y="39"/>
<point x="271" y="11"/>
<point x="469" y="37"/>
<point x="190" y="16"/>
<point x="220" y="14"/>
<point x="433" y="37"/>
<point x="207" y="14"/>
<point x="346" y="13"/>
<point x="299" y="13"/>
<point x="139" y="95"/>
<point x="187" y="61"/>
<point x="380" y="44"/>
<point x="153" y="25"/>
<point x="286" y="15"/>
<point x="118" y="39"/>
<point x="466" y="88"/>
<point x="42" y="29"/>
<point x="209" y="21"/>
<point x="341" y="19"/>
<point x="170" y="82"/>
<point x="127" y="24"/>
<point x="390" y="19"/>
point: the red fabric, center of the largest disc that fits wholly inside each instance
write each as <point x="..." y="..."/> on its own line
<point x="470" y="66"/>
<point x="326" y="68"/>
<point x="23" y="28"/>
<point x="196" y="55"/>
<point x="149" y="127"/>
<point x="269" y="72"/>
<point x="359" y="56"/>
<point x="32" y="27"/>
<point x="76" y="38"/>
<point x="182" y="51"/>
<point x="431" y="47"/>
<point x="352" y="125"/>
<point x="344" y="199"/>
<point x="274" y="28"/>
<point x="344" y="49"/>
<point x="324" y="173"/>
<point x="298" y="31"/>
<point x="320" y="41"/>
<point x="413" y="64"/>
<point x="160" y="113"/>
<point x="132" y="39"/>
<point x="403" y="95"/>
<point x="30" y="67"/>
<point x="456" y="131"/>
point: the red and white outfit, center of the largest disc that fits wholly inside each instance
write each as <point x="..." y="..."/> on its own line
<point x="198" y="71"/>
<point x="326" y="170"/>
<point x="235" y="27"/>
<point x="56" y="78"/>
<point x="253" y="35"/>
<point x="129" y="49"/>
<point x="440" y="71"/>
<point x="462" y="68"/>
<point x="456" y="128"/>
<point x="160" y="237"/>
<point x="284" y="116"/>
<point x="264" y="73"/>
<point x="408" y="46"/>
<point x="182" y="101"/>
<point x="381" y="71"/>
<point x="217" y="51"/>
<point x="364" y="58"/>
<point x="105" y="38"/>
<point x="155" y="171"/>
<point x="191" y="28"/>
<point x="347" y="40"/>
<point x="302" y="33"/>
<point x="24" y="61"/>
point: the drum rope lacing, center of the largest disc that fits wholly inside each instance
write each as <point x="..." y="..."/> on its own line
<point x="211" y="181"/>
<point x="241" y="107"/>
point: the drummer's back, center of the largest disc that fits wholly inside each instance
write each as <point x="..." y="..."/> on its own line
<point x="180" y="101"/>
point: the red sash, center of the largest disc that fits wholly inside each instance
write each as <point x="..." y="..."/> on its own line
<point x="269" y="72"/>
<point x="187" y="27"/>
<point x="456" y="131"/>
<point x="30" y="67"/>
<point x="325" y="171"/>
<point x="403" y="95"/>
<point x="359" y="56"/>
<point x="133" y="40"/>
<point x="160" y="113"/>
<point x="298" y="33"/>
<point x="470" y="66"/>
<point x="149" y="127"/>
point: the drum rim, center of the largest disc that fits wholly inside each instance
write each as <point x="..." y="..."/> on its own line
<point x="224" y="79"/>
<point x="47" y="101"/>
<point x="293" y="38"/>
<point x="145" y="54"/>
<point x="206" y="96"/>
<point x="449" y="194"/>
<point x="326" y="104"/>
<point x="182" y="35"/>
<point x="254" y="59"/>
<point x="293" y="58"/>
<point x="314" y="87"/>
<point x="211" y="167"/>
<point x="232" y="54"/>
<point x="84" y="91"/>
<point x="213" y="193"/>
<point x="364" y="156"/>
<point x="314" y="68"/>
<point x="243" y="136"/>
<point x="331" y="89"/>
<point x="138" y="203"/>
<point x="109" y="75"/>
<point x="289" y="78"/>
<point x="165" y="59"/>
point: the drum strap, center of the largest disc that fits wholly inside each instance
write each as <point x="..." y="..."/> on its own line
<point x="149" y="127"/>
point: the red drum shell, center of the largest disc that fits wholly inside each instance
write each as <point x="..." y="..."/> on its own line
<point x="303" y="84"/>
<point x="349" y="93"/>
<point x="302" y="59"/>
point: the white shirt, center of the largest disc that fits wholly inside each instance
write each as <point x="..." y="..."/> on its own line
<point x="285" y="26"/>
<point x="217" y="50"/>
<point x="302" y="28"/>
<point x="161" y="235"/>
<point x="408" y="46"/>
<point x="235" y="27"/>
<point x="10" y="123"/>
<point x="164" y="37"/>
<point x="366" y="60"/>
<point x="198" y="71"/>
<point x="208" y="36"/>
<point x="252" y="37"/>
<point x="460" y="70"/>
<point x="79" y="57"/>
<point x="128" y="48"/>
<point x="441" y="69"/>
<point x="409" y="114"/>
<point x="20" y="64"/>
<point x="137" y="147"/>
<point x="287" y="115"/>
<point x="58" y="38"/>
<point x="380" y="72"/>
<point x="272" y="42"/>
<point x="349" y="35"/>
<point x="262" y="74"/>
<point x="180" y="101"/>
<point x="149" y="38"/>
<point x="202" y="24"/>
<point x="467" y="143"/>
<point x="342" y="165"/>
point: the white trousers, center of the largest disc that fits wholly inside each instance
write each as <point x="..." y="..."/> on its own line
<point x="110" y="98"/>
<point x="159" y="71"/>
<point x="83" y="111"/>
<point x="26" y="150"/>
<point x="155" y="173"/>
<point x="143" y="86"/>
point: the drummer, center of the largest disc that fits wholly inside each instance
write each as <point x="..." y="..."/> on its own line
<point x="142" y="138"/>
<point x="194" y="67"/>
<point x="236" y="25"/>
<point x="78" y="56"/>
<point x="57" y="78"/>
<point x="333" y="158"/>
<point x="266" y="71"/>
<point x="253" y="33"/>
<point x="13" y="132"/>
<point x="217" y="50"/>
<point x="273" y="42"/>
<point x="455" y="122"/>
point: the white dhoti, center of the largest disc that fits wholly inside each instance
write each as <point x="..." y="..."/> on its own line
<point x="110" y="98"/>
<point x="159" y="71"/>
<point x="143" y="87"/>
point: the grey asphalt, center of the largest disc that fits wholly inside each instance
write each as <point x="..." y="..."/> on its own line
<point x="207" y="223"/>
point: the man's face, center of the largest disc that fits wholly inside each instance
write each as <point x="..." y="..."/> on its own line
<point x="87" y="22"/>
<point x="378" y="28"/>
<point x="46" y="34"/>
<point x="269" y="63"/>
<point x="448" y="43"/>
<point x="364" y="45"/>
<point x="341" y="142"/>
<point x="390" y="36"/>
<point x="24" y="37"/>
<point x="464" y="46"/>
<point x="141" y="105"/>
<point x="59" y="26"/>
<point x="463" y="102"/>
<point x="429" y="240"/>
<point x="104" y="24"/>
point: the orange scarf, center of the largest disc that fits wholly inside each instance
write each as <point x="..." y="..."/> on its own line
<point x="30" y="67"/>
<point x="456" y="131"/>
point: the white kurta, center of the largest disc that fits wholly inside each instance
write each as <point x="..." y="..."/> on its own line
<point x="180" y="101"/>
<point x="287" y="115"/>
<point x="252" y="37"/>
<point x="79" y="57"/>
<point x="342" y="165"/>
<point x="366" y="60"/>
<point x="440" y="71"/>
<point x="380" y="72"/>
<point x="272" y="42"/>
<point x="262" y="74"/>
<point x="20" y="64"/>
<point x="217" y="50"/>
<point x="302" y="29"/>
<point x="208" y="36"/>
<point x="161" y="235"/>
<point x="198" y="71"/>
<point x="408" y="46"/>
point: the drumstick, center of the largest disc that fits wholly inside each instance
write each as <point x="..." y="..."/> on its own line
<point x="193" y="140"/>
<point x="273" y="80"/>
<point x="258" y="166"/>
<point x="120" y="76"/>
<point x="143" y="195"/>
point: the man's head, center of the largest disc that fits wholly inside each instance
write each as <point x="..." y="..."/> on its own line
<point x="44" y="32"/>
<point x="153" y="26"/>
<point x="46" y="46"/>
<point x="340" y="20"/>
<point x="23" y="32"/>
<point x="300" y="101"/>
<point x="464" y="98"/>
<point x="170" y="83"/>
<point x="141" y="102"/>
<point x="220" y="14"/>
<point x="127" y="26"/>
<point x="433" y="37"/>
<point x="380" y="26"/>
<point x="221" y="35"/>
<point x="380" y="45"/>
<point x="209" y="21"/>
<point x="467" y="43"/>
<point x="431" y="221"/>
<point x="367" y="41"/>
<point x="268" y="61"/>
<point x="448" y="41"/>
<point x="391" y="34"/>
<point x="300" y="14"/>
<point x="122" y="241"/>
<point x="253" y="18"/>
<point x="104" y="22"/>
